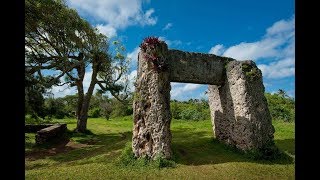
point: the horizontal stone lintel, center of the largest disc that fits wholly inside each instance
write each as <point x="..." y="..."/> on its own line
<point x="200" y="68"/>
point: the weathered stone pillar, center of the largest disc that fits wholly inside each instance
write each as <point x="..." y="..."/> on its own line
<point x="151" y="107"/>
<point x="239" y="109"/>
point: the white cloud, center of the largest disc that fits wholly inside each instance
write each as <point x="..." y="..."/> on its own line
<point x="61" y="91"/>
<point x="170" y="43"/>
<point x="133" y="56"/>
<point x="147" y="19"/>
<point x="277" y="46"/>
<point x="115" y="14"/>
<point x="217" y="50"/>
<point x="87" y="80"/>
<point x="191" y="87"/>
<point x="107" y="30"/>
<point x="168" y="26"/>
<point x="281" y="27"/>
<point x="278" y="69"/>
<point x="253" y="51"/>
<point x="132" y="78"/>
<point x="178" y="89"/>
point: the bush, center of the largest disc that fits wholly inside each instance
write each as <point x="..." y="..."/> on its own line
<point x="191" y="114"/>
<point x="191" y="110"/>
<point x="127" y="159"/>
<point x="281" y="107"/>
<point x="94" y="113"/>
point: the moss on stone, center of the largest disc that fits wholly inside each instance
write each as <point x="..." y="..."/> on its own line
<point x="250" y="71"/>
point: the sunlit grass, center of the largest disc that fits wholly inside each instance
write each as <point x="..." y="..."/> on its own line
<point x="197" y="154"/>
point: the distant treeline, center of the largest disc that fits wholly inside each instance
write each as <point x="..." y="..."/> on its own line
<point x="281" y="106"/>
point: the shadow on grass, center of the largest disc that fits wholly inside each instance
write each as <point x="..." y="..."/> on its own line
<point x="198" y="148"/>
<point x="287" y="145"/>
<point x="96" y="145"/>
<point x="189" y="147"/>
<point x="80" y="148"/>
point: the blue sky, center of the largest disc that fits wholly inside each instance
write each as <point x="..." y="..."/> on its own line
<point x="263" y="31"/>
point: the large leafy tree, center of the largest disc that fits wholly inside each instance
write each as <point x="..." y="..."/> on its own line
<point x="34" y="101"/>
<point x="60" y="46"/>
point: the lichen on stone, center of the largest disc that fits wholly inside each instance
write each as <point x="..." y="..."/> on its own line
<point x="250" y="71"/>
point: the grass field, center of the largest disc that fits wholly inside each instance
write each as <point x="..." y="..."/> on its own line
<point x="197" y="154"/>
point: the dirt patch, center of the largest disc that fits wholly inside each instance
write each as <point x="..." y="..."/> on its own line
<point x="62" y="147"/>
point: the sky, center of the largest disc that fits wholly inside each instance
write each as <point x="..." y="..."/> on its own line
<point x="262" y="31"/>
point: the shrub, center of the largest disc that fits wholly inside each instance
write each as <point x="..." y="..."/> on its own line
<point x="281" y="107"/>
<point x="94" y="113"/>
<point x="127" y="159"/>
<point x="190" y="114"/>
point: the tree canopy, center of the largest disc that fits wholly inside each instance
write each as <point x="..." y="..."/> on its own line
<point x="59" y="48"/>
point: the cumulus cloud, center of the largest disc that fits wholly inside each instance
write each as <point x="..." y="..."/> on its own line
<point x="277" y="46"/>
<point x="170" y="43"/>
<point x="133" y="57"/>
<point x="217" y="50"/>
<point x="167" y="26"/>
<point x="183" y="89"/>
<point x="132" y="78"/>
<point x="61" y="91"/>
<point x="115" y="14"/>
<point x="278" y="69"/>
<point x="107" y="30"/>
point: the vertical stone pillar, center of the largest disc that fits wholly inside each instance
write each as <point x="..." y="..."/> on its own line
<point x="239" y="109"/>
<point x="151" y="108"/>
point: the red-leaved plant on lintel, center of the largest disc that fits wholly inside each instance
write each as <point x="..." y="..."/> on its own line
<point x="149" y="47"/>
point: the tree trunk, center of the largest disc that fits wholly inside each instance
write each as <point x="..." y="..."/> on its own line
<point x="83" y="107"/>
<point x="82" y="118"/>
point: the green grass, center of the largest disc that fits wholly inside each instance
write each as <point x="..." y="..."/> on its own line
<point x="196" y="153"/>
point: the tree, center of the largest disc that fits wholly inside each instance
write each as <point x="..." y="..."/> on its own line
<point x="282" y="93"/>
<point x="34" y="101"/>
<point x="57" y="39"/>
<point x="281" y="107"/>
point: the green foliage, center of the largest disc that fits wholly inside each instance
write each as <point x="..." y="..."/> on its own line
<point x="94" y="113"/>
<point x="190" y="114"/>
<point x="190" y="110"/>
<point x="161" y="162"/>
<point x="120" y="109"/>
<point x="29" y="119"/>
<point x="55" y="108"/>
<point x="281" y="107"/>
<point x="57" y="39"/>
<point x="250" y="71"/>
<point x="34" y="100"/>
<point x="127" y="159"/>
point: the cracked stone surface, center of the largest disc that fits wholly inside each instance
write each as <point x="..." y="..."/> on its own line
<point x="239" y="109"/>
<point x="152" y="117"/>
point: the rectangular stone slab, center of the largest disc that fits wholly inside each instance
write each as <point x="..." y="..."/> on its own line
<point x="50" y="132"/>
<point x="199" y="68"/>
<point x="33" y="128"/>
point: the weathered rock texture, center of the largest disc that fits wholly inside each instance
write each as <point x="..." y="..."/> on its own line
<point x="240" y="115"/>
<point x="239" y="109"/>
<point x="151" y="131"/>
<point x="196" y="68"/>
<point x="46" y="134"/>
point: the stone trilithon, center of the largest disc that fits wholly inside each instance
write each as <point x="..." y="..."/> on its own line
<point x="239" y="110"/>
